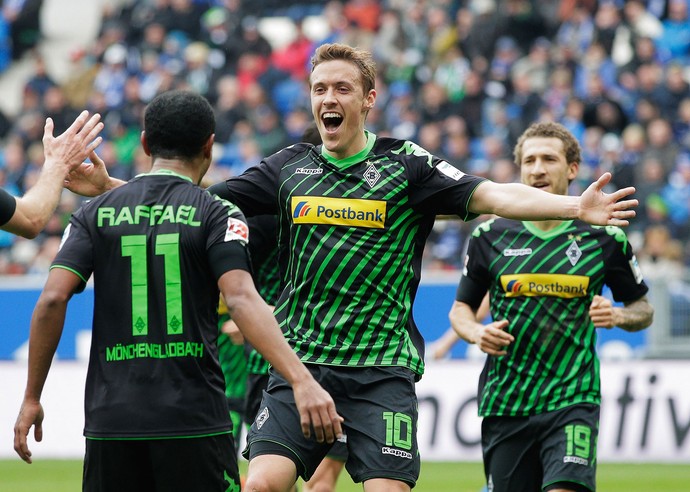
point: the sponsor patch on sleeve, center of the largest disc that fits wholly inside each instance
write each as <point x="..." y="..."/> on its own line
<point x="237" y="231"/>
<point x="450" y="171"/>
<point x="636" y="270"/>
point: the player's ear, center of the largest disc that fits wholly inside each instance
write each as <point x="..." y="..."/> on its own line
<point x="573" y="169"/>
<point x="144" y="143"/>
<point x="208" y="146"/>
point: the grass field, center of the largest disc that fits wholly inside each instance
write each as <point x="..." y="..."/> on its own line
<point x="65" y="476"/>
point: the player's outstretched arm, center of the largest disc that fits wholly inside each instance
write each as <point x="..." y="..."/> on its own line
<point x="521" y="202"/>
<point x="259" y="327"/>
<point x="46" y="329"/>
<point x="62" y="154"/>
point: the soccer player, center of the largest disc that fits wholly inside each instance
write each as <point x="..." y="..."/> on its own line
<point x="27" y="216"/>
<point x="353" y="215"/>
<point x="160" y="249"/>
<point x="539" y="392"/>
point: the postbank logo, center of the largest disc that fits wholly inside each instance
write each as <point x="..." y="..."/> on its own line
<point x="338" y="211"/>
<point x="545" y="284"/>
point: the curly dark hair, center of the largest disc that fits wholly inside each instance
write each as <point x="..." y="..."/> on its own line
<point x="177" y="124"/>
<point x="571" y="146"/>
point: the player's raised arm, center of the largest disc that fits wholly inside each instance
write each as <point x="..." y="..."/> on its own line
<point x="521" y="202"/>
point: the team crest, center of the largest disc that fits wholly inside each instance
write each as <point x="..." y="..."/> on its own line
<point x="574" y="253"/>
<point x="262" y="418"/>
<point x="371" y="175"/>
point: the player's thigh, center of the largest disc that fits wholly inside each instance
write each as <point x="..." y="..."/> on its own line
<point x="569" y="440"/>
<point x="277" y="429"/>
<point x="511" y="455"/>
<point x="380" y="411"/>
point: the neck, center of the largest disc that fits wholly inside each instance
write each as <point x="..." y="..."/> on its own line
<point x="546" y="225"/>
<point x="191" y="169"/>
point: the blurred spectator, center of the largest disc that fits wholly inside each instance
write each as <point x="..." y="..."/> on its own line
<point x="674" y="42"/>
<point x="660" y="144"/>
<point x="464" y="78"/>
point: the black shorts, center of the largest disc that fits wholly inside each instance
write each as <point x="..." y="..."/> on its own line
<point x="379" y="406"/>
<point x="256" y="384"/>
<point x="192" y="464"/>
<point x="529" y="454"/>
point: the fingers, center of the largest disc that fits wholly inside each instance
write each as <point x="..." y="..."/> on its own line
<point x="78" y="123"/>
<point x="603" y="180"/>
<point x="48" y="129"/>
<point x="96" y="160"/>
<point x="622" y="193"/>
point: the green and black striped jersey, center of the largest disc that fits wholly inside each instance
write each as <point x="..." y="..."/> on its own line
<point x="353" y="231"/>
<point x="543" y="284"/>
<point x="156" y="247"/>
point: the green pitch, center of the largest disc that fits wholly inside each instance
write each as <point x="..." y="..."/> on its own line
<point x="65" y="476"/>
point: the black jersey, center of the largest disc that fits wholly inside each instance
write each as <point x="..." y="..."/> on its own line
<point x="263" y="249"/>
<point x="354" y="232"/>
<point x="156" y="248"/>
<point x="543" y="284"/>
<point x="8" y="205"/>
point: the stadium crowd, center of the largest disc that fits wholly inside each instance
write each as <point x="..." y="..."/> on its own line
<point x="461" y="78"/>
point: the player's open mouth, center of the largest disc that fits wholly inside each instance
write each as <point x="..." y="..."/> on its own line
<point x="331" y="121"/>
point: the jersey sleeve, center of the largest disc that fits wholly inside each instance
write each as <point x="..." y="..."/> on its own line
<point x="439" y="188"/>
<point x="623" y="274"/>
<point x="475" y="278"/>
<point x="255" y="191"/>
<point x="76" y="249"/>
<point x="8" y="205"/>
<point x="227" y="238"/>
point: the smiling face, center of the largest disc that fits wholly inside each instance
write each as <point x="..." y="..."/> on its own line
<point x="340" y="106"/>
<point x="543" y="165"/>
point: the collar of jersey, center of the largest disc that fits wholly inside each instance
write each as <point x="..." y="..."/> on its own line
<point x="550" y="233"/>
<point x="355" y="159"/>
<point x="166" y="172"/>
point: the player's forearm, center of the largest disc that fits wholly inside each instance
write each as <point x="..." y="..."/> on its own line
<point x="635" y="316"/>
<point x="463" y="321"/>
<point x="47" y="322"/>
<point x="260" y="329"/>
<point x="520" y="202"/>
<point x="37" y="206"/>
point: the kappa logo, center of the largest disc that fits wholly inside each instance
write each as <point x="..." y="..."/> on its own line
<point x="301" y="209"/>
<point x="311" y="172"/>
<point x="262" y="418"/>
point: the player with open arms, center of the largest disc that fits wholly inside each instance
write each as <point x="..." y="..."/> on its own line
<point x="539" y="391"/>
<point x="355" y="215"/>
<point x="160" y="249"/>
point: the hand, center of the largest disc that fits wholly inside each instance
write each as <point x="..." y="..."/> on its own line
<point x="72" y="147"/>
<point x="89" y="179"/>
<point x="492" y="339"/>
<point x="31" y="413"/>
<point x="317" y="409"/>
<point x="599" y="208"/>
<point x="602" y="312"/>
<point x="230" y="329"/>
